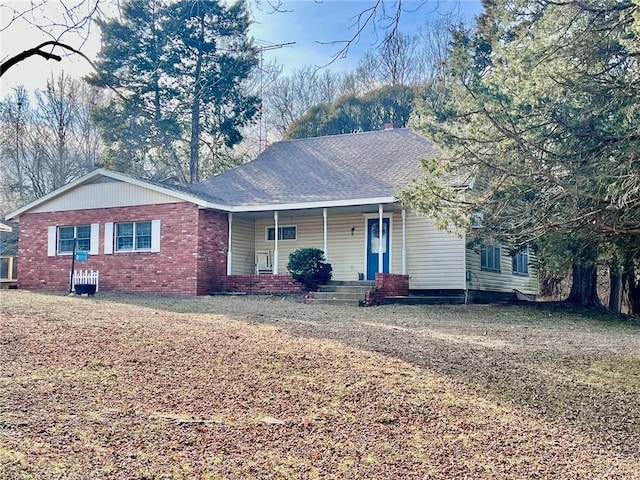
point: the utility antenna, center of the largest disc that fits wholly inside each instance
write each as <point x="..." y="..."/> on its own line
<point x="262" y="130"/>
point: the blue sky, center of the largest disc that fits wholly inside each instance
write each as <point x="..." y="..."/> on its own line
<point x="311" y="24"/>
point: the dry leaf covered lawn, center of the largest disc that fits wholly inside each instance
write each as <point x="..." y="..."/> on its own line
<point x="129" y="387"/>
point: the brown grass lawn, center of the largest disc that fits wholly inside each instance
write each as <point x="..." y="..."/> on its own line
<point x="141" y="387"/>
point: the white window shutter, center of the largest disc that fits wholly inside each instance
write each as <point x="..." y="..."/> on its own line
<point x="155" y="235"/>
<point x="108" y="238"/>
<point x="51" y="241"/>
<point x="95" y="239"/>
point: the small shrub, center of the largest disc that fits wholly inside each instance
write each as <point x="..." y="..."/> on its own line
<point x="307" y="266"/>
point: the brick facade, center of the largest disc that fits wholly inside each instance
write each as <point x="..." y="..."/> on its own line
<point x="213" y="242"/>
<point x="262" y="284"/>
<point x="393" y="285"/>
<point x="191" y="261"/>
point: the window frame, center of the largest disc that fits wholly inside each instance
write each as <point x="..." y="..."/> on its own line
<point x="79" y="247"/>
<point x="524" y="263"/>
<point x="476" y="220"/>
<point x="135" y="237"/>
<point x="280" y="235"/>
<point x="485" y="256"/>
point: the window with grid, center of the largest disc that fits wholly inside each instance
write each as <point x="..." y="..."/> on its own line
<point x="68" y="234"/>
<point x="520" y="262"/>
<point x="132" y="236"/>
<point x="490" y="258"/>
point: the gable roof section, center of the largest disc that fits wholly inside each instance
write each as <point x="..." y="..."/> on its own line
<point x="180" y="193"/>
<point x="335" y="169"/>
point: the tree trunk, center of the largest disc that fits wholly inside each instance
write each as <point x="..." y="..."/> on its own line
<point x="584" y="290"/>
<point x="616" y="287"/>
<point x="633" y="290"/>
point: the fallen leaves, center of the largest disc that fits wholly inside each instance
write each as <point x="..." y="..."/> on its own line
<point x="105" y="389"/>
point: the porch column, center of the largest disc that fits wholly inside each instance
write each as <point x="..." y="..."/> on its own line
<point x="229" y="252"/>
<point x="275" y="243"/>
<point x="380" y="254"/>
<point x="404" y="242"/>
<point x="324" y="226"/>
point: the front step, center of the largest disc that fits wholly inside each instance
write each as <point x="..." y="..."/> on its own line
<point x="341" y="293"/>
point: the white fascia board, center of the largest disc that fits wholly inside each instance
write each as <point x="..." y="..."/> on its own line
<point x="307" y="205"/>
<point x="100" y="172"/>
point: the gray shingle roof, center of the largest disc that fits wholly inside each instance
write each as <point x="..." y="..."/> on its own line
<point x="337" y="167"/>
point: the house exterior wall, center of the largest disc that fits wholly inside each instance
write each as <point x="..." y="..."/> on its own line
<point x="435" y="258"/>
<point x="104" y="194"/>
<point x="171" y="270"/>
<point x="267" y="284"/>
<point x="504" y="281"/>
<point x="309" y="234"/>
<point x="346" y="251"/>
<point x="213" y="237"/>
<point x="243" y="246"/>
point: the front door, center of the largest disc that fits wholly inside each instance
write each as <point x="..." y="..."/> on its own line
<point x="374" y="245"/>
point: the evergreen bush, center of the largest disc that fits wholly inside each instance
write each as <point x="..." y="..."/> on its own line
<point x="308" y="267"/>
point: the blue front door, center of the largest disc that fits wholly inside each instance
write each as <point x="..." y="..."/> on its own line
<point x="374" y="245"/>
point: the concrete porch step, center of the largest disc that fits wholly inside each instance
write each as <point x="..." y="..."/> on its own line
<point x="341" y="293"/>
<point x="350" y="283"/>
<point x="331" y="301"/>
<point x="353" y="296"/>
<point x="344" y="288"/>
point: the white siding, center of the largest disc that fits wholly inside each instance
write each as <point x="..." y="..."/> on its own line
<point x="309" y="234"/>
<point x="243" y="246"/>
<point x="505" y="280"/>
<point x="347" y="250"/>
<point x="435" y="258"/>
<point x="104" y="195"/>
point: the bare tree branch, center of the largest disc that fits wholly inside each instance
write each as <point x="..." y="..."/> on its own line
<point x="40" y="51"/>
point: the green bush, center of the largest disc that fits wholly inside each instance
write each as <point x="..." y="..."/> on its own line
<point x="307" y="266"/>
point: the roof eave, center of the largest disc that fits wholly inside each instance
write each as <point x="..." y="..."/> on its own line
<point x="309" y="205"/>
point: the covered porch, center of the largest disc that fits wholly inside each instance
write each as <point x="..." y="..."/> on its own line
<point x="350" y="237"/>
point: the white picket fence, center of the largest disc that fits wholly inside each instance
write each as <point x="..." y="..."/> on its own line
<point x="83" y="277"/>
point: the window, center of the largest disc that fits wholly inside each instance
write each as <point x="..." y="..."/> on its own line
<point x="490" y="257"/>
<point x="476" y="220"/>
<point x="133" y="236"/>
<point x="520" y="262"/>
<point x="284" y="233"/>
<point x="81" y="234"/>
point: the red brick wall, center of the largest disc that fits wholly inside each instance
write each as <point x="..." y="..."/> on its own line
<point x="392" y="285"/>
<point x="213" y="243"/>
<point x="172" y="270"/>
<point x="262" y="284"/>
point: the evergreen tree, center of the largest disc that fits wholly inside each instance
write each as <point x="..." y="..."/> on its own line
<point x="542" y="111"/>
<point x="179" y="70"/>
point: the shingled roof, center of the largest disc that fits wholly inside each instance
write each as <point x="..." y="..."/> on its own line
<point x="332" y="168"/>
